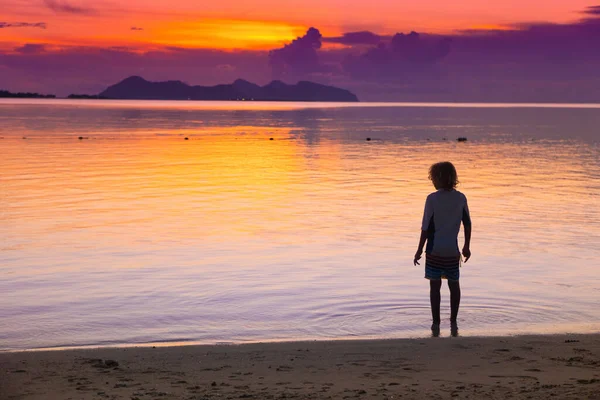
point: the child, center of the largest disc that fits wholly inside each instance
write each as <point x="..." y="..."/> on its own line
<point x="444" y="211"/>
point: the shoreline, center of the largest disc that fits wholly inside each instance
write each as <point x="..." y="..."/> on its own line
<point x="580" y="330"/>
<point x="529" y="366"/>
<point x="289" y="104"/>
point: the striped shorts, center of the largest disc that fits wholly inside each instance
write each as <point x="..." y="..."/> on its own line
<point x="437" y="267"/>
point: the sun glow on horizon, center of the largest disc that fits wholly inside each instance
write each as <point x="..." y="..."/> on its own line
<point x="488" y="28"/>
<point x="221" y="34"/>
<point x="226" y="34"/>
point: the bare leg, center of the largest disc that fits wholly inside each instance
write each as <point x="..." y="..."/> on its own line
<point x="435" y="298"/>
<point x="454" y="299"/>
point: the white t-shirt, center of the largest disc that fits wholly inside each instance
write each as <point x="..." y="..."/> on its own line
<point x="444" y="211"/>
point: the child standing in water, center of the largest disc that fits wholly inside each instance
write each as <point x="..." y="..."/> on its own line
<point x="445" y="209"/>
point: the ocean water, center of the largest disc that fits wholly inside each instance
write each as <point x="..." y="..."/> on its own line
<point x="134" y="235"/>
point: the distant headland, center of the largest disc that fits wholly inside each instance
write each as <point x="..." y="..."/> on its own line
<point x="137" y="88"/>
<point x="6" y="94"/>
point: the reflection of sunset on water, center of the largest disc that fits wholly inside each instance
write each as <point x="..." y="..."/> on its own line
<point x="318" y="226"/>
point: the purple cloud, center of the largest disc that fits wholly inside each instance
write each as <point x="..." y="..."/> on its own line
<point x="541" y="44"/>
<point x="405" y="55"/>
<point x="61" y="6"/>
<point x="41" y="25"/>
<point x="31" y="48"/>
<point x="355" y="38"/>
<point x="299" y="57"/>
<point x="413" y="48"/>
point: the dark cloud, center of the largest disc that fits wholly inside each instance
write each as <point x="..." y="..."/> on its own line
<point x="526" y="62"/>
<point x="299" y="57"/>
<point x="592" y="10"/>
<point x="543" y="45"/>
<point x="355" y="38"/>
<point x="413" y="48"/>
<point x="530" y="61"/>
<point x="61" y="6"/>
<point x="41" y="25"/>
<point x="404" y="55"/>
<point x="31" y="48"/>
<point x="135" y="28"/>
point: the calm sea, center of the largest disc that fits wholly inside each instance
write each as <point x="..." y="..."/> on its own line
<point x="133" y="234"/>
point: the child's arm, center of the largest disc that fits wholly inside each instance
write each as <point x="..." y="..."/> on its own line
<point x="466" y="252"/>
<point x="466" y="220"/>
<point x="419" y="252"/>
<point x="425" y="224"/>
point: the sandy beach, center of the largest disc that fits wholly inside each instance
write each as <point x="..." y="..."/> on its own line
<point x="528" y="367"/>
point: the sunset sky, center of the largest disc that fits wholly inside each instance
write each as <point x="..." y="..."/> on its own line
<point x="65" y="46"/>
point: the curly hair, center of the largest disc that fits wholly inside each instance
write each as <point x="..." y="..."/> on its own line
<point x="443" y="175"/>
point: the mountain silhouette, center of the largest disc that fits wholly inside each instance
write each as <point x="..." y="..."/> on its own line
<point x="137" y="88"/>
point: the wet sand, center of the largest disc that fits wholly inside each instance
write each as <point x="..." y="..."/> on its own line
<point x="527" y="367"/>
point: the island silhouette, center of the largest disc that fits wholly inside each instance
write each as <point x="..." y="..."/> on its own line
<point x="6" y="94"/>
<point x="138" y="88"/>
